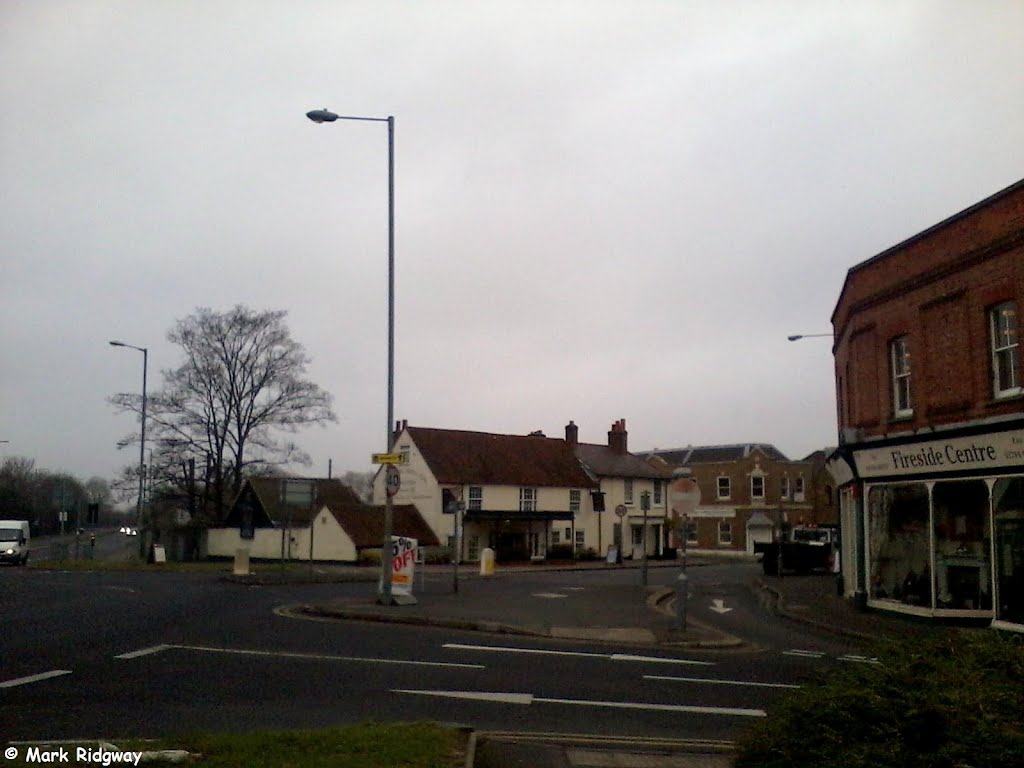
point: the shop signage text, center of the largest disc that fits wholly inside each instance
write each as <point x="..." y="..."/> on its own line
<point x="1002" y="449"/>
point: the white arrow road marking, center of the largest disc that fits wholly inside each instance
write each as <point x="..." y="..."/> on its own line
<point x="34" y="678"/>
<point x="581" y="654"/>
<point x="291" y="655"/>
<point x="528" y="698"/>
<point x="712" y="681"/>
<point x="718" y="606"/>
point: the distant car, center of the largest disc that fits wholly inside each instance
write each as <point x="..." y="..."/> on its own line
<point x="123" y="529"/>
<point x="131" y="532"/>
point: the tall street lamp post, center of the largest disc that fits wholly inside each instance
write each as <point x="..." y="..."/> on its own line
<point x="325" y="116"/>
<point x="142" y="445"/>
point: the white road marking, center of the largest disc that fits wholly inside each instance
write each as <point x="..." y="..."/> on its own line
<point x="292" y="655"/>
<point x="34" y="678"/>
<point x="548" y="595"/>
<point x="143" y="652"/>
<point x="859" y="659"/>
<point x="712" y="681"/>
<point x="528" y="698"/>
<point x="580" y="654"/>
<point x="805" y="654"/>
<point x="718" y="606"/>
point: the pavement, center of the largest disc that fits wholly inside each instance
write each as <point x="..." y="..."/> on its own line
<point x="643" y="616"/>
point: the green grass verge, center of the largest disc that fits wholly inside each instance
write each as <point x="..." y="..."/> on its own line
<point x="370" y="745"/>
<point x="953" y="699"/>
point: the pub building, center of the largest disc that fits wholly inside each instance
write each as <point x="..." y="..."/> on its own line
<point x="930" y="405"/>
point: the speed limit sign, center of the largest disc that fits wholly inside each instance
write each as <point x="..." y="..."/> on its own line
<point x="392" y="480"/>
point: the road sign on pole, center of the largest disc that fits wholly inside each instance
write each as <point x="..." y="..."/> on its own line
<point x="387" y="458"/>
<point x="392" y="480"/>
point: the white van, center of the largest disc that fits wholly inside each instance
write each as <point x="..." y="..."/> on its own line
<point x="14" y="538"/>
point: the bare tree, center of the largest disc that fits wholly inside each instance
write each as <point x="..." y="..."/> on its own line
<point x="241" y="382"/>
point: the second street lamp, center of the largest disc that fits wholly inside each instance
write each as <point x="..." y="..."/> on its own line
<point x="142" y="445"/>
<point x="325" y="116"/>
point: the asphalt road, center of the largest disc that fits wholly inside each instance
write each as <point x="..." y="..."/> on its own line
<point x="105" y="654"/>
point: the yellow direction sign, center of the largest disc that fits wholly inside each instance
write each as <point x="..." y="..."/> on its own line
<point x="387" y="458"/>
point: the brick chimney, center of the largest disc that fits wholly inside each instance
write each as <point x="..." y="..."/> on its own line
<point x="617" y="437"/>
<point x="572" y="433"/>
<point x="399" y="429"/>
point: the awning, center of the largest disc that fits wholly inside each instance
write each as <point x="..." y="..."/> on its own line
<point x="516" y="516"/>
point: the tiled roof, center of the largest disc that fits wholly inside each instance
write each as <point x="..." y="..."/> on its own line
<point x="714" y="454"/>
<point x="603" y="461"/>
<point x="365" y="524"/>
<point x="457" y="457"/>
<point x="329" y="492"/>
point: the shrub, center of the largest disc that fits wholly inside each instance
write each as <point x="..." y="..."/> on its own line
<point x="943" y="700"/>
<point x="588" y="554"/>
<point x="560" y="552"/>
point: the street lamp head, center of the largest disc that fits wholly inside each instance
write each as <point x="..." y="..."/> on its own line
<point x="797" y="337"/>
<point x="117" y="344"/>
<point x="321" y="116"/>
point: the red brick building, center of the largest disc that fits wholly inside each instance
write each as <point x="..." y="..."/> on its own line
<point x="748" y="491"/>
<point x="931" y="418"/>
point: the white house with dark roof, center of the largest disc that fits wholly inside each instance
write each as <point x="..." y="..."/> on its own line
<point x="625" y="481"/>
<point x="519" y="491"/>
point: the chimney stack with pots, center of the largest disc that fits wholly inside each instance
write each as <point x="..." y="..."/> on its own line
<point x="617" y="437"/>
<point x="572" y="433"/>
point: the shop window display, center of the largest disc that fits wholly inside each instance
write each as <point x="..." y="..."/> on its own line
<point x="962" y="545"/>
<point x="1008" y="504"/>
<point x="899" y="543"/>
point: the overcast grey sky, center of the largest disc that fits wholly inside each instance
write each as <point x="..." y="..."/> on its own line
<point x="604" y="210"/>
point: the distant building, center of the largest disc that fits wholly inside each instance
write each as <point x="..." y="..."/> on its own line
<point x="930" y="396"/>
<point x="748" y="492"/>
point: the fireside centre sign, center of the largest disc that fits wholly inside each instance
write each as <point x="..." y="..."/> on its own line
<point x="975" y="454"/>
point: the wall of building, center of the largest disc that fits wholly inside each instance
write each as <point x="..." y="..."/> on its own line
<point x="943" y="310"/>
<point x="330" y="542"/>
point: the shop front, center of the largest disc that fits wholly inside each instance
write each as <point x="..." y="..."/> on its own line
<point x="939" y="523"/>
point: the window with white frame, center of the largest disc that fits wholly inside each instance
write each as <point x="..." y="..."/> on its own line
<point x="473" y="547"/>
<point x="691" y="532"/>
<point x="628" y="492"/>
<point x="899" y="357"/>
<point x="784" y="487"/>
<point x="476" y="497"/>
<point x="757" y="486"/>
<point x="574" y="501"/>
<point x="724" y="532"/>
<point x="527" y="499"/>
<point x="581" y="539"/>
<point x="1005" y="356"/>
<point x="568" y="534"/>
<point x="724" y="488"/>
<point x="798" y="488"/>
<point x="657" y="492"/>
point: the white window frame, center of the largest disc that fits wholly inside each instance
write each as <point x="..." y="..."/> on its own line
<point x="574" y="500"/>
<point x="728" y="487"/>
<point x="581" y="538"/>
<point x="798" y="488"/>
<point x="690" y="528"/>
<point x="527" y="499"/>
<point x="899" y="363"/>
<point x="754" y="495"/>
<point x="657" y="492"/>
<point x="627" y="492"/>
<point x="1002" y="325"/>
<point x="475" y="497"/>
<point x="784" y="487"/>
<point x="724" y="526"/>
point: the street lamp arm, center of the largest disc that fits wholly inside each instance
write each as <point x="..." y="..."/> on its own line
<point x="798" y="336"/>
<point x="326" y="116"/>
